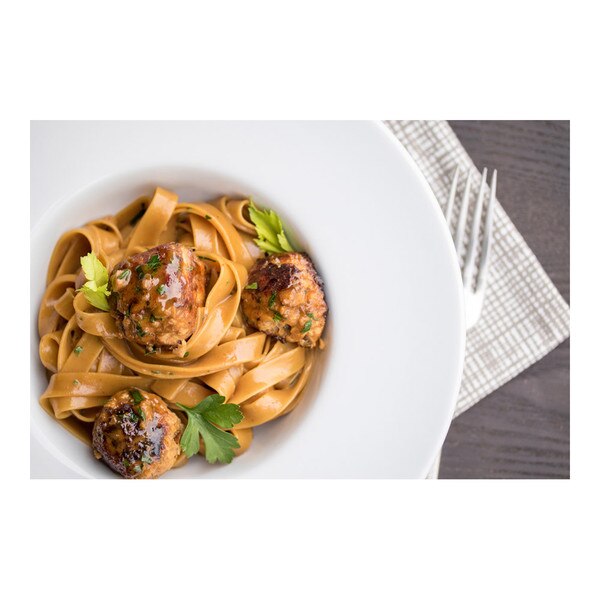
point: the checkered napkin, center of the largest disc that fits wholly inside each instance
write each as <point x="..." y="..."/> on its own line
<point x="524" y="316"/>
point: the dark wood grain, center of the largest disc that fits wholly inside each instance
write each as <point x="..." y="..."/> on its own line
<point x="522" y="429"/>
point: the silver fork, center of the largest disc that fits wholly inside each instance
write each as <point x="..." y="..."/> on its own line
<point x="474" y="291"/>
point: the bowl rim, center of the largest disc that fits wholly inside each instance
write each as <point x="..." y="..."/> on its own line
<point x="37" y="229"/>
<point x="387" y="133"/>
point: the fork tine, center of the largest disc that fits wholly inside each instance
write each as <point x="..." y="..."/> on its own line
<point x="487" y="237"/>
<point x="473" y="242"/>
<point x="450" y="203"/>
<point x="462" y="217"/>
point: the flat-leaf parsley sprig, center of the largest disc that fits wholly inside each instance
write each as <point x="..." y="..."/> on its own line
<point x="269" y="229"/>
<point x="204" y="420"/>
<point x="95" y="289"/>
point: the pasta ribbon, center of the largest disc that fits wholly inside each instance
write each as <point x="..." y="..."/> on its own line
<point x="88" y="360"/>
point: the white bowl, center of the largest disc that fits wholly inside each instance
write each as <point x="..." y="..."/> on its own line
<point x="380" y="402"/>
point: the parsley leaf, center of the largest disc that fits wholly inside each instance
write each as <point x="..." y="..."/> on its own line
<point x="136" y="395"/>
<point x="161" y="289"/>
<point x="95" y="289"/>
<point x="154" y="263"/>
<point x="78" y="350"/>
<point x="132" y="417"/>
<point x="93" y="269"/>
<point x="277" y="316"/>
<point x="222" y="415"/>
<point x="272" y="300"/>
<point x="202" y="419"/>
<point x="252" y="286"/>
<point x="269" y="229"/>
<point x="306" y="327"/>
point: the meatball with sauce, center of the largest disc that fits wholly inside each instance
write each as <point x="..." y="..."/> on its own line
<point x="136" y="435"/>
<point x="155" y="295"/>
<point x="284" y="298"/>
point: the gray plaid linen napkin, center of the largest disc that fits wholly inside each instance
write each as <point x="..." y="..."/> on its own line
<point x="524" y="316"/>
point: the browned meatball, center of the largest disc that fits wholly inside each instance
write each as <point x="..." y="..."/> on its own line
<point x="137" y="435"/>
<point x="284" y="298"/>
<point x="155" y="295"/>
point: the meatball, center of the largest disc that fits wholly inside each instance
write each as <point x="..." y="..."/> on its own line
<point x="155" y="295"/>
<point x="137" y="435"/>
<point x="284" y="298"/>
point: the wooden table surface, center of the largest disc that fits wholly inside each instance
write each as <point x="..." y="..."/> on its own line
<point x="522" y="429"/>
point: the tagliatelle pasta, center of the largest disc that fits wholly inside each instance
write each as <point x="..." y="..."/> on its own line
<point x="88" y="360"/>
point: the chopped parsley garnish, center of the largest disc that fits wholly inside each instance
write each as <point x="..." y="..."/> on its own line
<point x="95" y="289"/>
<point x="125" y="274"/>
<point x="272" y="299"/>
<point x="252" y="286"/>
<point x="139" y="330"/>
<point x="310" y="315"/>
<point x="137" y="469"/>
<point x="78" y="350"/>
<point x="306" y="327"/>
<point x="277" y="316"/>
<point x="76" y="382"/>
<point x="136" y="396"/>
<point x="207" y="420"/>
<point x="137" y="400"/>
<point x="186" y="355"/>
<point x="154" y="263"/>
<point x="131" y="416"/>
<point x="140" y="271"/>
<point x="146" y="459"/>
<point x="154" y="318"/>
<point x="126" y="463"/>
<point x="161" y="289"/>
<point x="207" y="217"/>
<point x="269" y="229"/>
